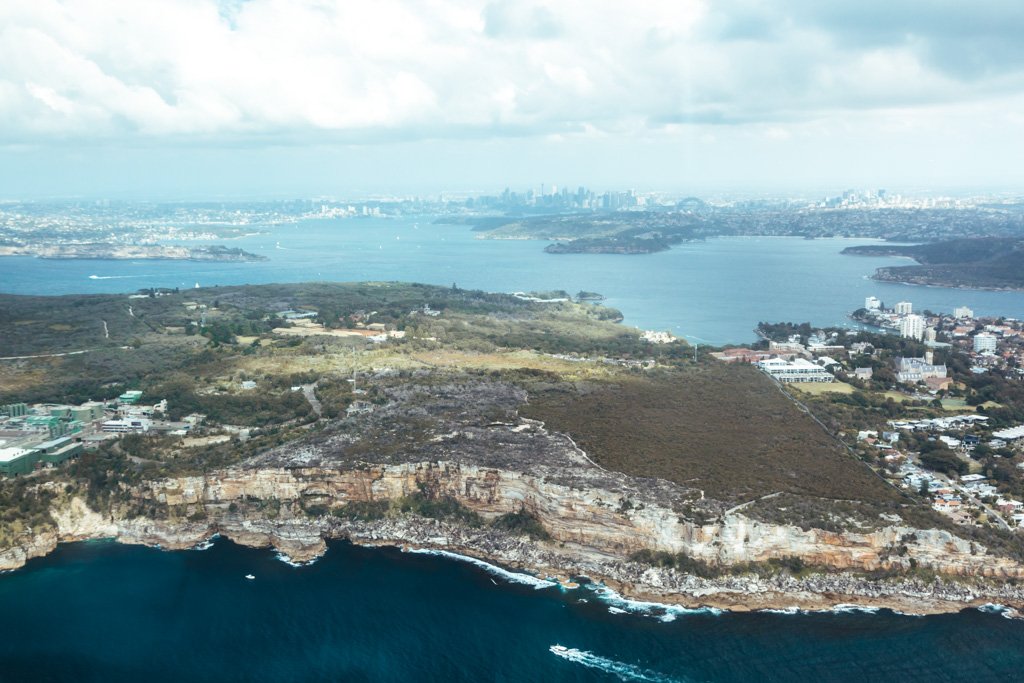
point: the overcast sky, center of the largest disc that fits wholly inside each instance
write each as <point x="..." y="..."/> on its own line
<point x="300" y="97"/>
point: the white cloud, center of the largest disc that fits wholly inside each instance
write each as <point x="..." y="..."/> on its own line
<point x="335" y="69"/>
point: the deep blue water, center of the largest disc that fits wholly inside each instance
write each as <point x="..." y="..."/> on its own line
<point x="711" y="292"/>
<point x="104" y="612"/>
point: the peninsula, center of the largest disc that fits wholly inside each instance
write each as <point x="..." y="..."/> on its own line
<point x="979" y="263"/>
<point x="131" y="252"/>
<point x="538" y="435"/>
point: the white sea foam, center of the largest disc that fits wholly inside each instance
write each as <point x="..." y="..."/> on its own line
<point x="625" y="672"/>
<point x="785" y="610"/>
<point x="113" y="277"/>
<point x="511" y="577"/>
<point x="846" y="608"/>
<point x="284" y="557"/>
<point x="660" y="611"/>
<point x="207" y="544"/>
<point x="1002" y="610"/>
<point x="992" y="608"/>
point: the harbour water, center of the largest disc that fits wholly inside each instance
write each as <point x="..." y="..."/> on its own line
<point x="104" y="612"/>
<point x="711" y="292"/>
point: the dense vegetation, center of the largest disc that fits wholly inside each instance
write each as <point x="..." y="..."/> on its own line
<point x="726" y="430"/>
<point x="987" y="262"/>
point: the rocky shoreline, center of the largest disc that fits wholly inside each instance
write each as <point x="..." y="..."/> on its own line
<point x="303" y="541"/>
<point x="99" y="251"/>
<point x="884" y="275"/>
<point x="297" y="498"/>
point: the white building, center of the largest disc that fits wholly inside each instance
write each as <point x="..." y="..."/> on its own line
<point x="798" y="370"/>
<point x="872" y="303"/>
<point x="912" y="326"/>
<point x="962" y="312"/>
<point x="863" y="373"/>
<point x="984" y="343"/>
<point x="904" y="308"/>
<point x="125" y="426"/>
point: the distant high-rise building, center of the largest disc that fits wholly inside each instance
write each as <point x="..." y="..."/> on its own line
<point x="912" y="326"/>
<point x="984" y="343"/>
<point x="904" y="308"/>
<point x="962" y="312"/>
<point x="872" y="303"/>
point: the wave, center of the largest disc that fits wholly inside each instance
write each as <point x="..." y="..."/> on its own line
<point x="510" y="576"/>
<point x="1002" y="610"/>
<point x="207" y="544"/>
<point x="114" y="277"/>
<point x="284" y="557"/>
<point x="785" y="610"/>
<point x="992" y="608"/>
<point x="846" y="608"/>
<point x="624" y="672"/>
<point x="660" y="611"/>
<point x="842" y="608"/>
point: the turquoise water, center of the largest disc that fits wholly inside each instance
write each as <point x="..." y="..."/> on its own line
<point x="103" y="612"/>
<point x="711" y="292"/>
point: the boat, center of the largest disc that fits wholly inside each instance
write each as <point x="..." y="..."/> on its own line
<point x="250" y="577"/>
<point x="559" y="649"/>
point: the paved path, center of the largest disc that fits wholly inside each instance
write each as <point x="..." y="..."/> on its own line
<point x="308" y="391"/>
<point x="46" y="355"/>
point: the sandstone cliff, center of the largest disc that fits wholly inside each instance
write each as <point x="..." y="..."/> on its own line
<point x="595" y="518"/>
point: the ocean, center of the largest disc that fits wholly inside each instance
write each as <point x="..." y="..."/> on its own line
<point x="99" y="611"/>
<point x="104" y="612"/>
<point x="712" y="292"/>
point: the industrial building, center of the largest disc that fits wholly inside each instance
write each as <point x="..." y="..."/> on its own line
<point x="126" y="425"/>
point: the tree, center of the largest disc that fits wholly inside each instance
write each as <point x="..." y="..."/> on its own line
<point x="943" y="460"/>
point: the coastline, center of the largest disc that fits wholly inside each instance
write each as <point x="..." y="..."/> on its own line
<point x="519" y="560"/>
<point x="934" y="285"/>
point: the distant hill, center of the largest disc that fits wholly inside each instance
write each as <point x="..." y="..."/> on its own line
<point x="981" y="263"/>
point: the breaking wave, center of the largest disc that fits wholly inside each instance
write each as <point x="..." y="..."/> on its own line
<point x="284" y="557"/>
<point x="660" y="611"/>
<point x="511" y="577"/>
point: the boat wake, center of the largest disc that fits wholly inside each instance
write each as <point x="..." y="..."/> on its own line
<point x="113" y="277"/>
<point x="625" y="672"/>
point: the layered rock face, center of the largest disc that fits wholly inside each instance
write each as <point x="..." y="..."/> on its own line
<point x="596" y="519"/>
<point x="593" y="521"/>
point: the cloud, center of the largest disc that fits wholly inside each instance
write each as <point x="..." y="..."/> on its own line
<point x="312" y="70"/>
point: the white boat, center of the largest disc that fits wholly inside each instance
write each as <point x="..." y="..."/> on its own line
<point x="559" y="649"/>
<point x="250" y="577"/>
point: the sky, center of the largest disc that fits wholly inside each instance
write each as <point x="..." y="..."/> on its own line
<point x="249" y="98"/>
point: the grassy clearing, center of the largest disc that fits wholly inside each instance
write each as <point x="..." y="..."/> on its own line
<point x="819" y="388"/>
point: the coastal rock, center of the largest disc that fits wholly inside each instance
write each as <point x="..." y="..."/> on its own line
<point x="596" y="520"/>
